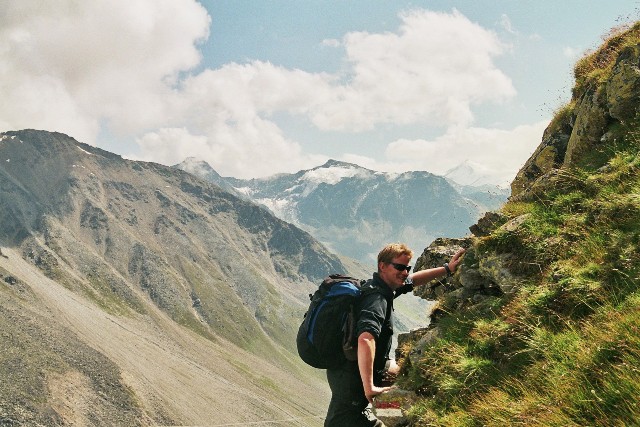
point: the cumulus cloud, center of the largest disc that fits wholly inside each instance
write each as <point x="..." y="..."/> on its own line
<point x="496" y="154"/>
<point x="259" y="155"/>
<point x="501" y="152"/>
<point x="231" y="107"/>
<point x="84" y="68"/>
<point x="263" y="150"/>
<point x="432" y="70"/>
<point x="95" y="62"/>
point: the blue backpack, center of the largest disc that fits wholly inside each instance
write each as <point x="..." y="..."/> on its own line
<point x="326" y="338"/>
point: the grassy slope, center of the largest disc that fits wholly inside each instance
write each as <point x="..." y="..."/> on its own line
<point x="565" y="349"/>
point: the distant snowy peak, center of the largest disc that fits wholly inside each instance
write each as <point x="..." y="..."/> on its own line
<point x="471" y="174"/>
<point x="197" y="167"/>
<point x="413" y="206"/>
<point x="333" y="172"/>
<point x="203" y="170"/>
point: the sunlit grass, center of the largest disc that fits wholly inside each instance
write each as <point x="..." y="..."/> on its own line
<point x="595" y="66"/>
<point x="565" y="349"/>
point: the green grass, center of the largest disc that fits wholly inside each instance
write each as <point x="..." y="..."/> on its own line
<point x="564" y="350"/>
<point x="594" y="67"/>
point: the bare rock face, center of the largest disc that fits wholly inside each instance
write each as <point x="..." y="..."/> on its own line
<point x="548" y="156"/>
<point x="590" y="124"/>
<point x="436" y="254"/>
<point x="489" y="222"/>
<point x="583" y="126"/>
<point x="623" y="88"/>
<point x="476" y="277"/>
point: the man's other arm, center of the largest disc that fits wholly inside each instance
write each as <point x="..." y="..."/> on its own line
<point x="366" y="354"/>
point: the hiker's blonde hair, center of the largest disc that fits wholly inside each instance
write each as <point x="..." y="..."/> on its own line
<point x="392" y="250"/>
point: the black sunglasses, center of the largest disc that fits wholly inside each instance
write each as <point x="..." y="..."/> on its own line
<point x="401" y="267"/>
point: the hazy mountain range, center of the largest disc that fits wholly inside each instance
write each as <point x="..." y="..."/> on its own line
<point x="134" y="279"/>
<point x="355" y="211"/>
<point x="133" y="293"/>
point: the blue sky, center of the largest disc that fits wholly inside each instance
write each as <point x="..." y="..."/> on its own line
<point x="261" y="87"/>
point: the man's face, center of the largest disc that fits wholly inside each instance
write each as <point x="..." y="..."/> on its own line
<point x="393" y="277"/>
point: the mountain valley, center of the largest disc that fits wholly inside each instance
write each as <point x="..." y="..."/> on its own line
<point x="147" y="293"/>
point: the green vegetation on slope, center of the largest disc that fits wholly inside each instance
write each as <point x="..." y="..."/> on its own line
<point x="592" y="69"/>
<point x="564" y="350"/>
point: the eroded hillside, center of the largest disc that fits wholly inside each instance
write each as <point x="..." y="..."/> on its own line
<point x="146" y="293"/>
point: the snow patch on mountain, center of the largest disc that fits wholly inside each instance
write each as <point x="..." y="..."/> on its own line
<point x="471" y="174"/>
<point x="329" y="175"/>
<point x="375" y="207"/>
<point x="246" y="191"/>
<point x="284" y="209"/>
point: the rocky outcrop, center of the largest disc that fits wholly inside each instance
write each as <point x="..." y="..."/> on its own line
<point x="623" y="87"/>
<point x="488" y="223"/>
<point x="583" y="126"/>
<point x="476" y="278"/>
<point x="606" y="99"/>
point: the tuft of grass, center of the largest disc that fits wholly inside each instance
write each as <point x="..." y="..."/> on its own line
<point x="594" y="67"/>
<point x="516" y="209"/>
<point x="562" y="117"/>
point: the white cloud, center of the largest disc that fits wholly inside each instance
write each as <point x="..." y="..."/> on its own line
<point x="236" y="92"/>
<point x="165" y="145"/>
<point x="501" y="153"/>
<point x="431" y="71"/>
<point x="330" y="43"/>
<point x="263" y="151"/>
<point x="230" y="107"/>
<point x="505" y="22"/>
<point x="95" y="62"/>
<point x="75" y="67"/>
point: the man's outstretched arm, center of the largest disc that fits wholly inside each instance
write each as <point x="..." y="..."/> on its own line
<point x="423" y="277"/>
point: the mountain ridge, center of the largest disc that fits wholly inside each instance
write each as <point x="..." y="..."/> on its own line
<point x="153" y="249"/>
<point x="355" y="210"/>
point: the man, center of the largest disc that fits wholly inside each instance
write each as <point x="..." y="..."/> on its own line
<point x="355" y="384"/>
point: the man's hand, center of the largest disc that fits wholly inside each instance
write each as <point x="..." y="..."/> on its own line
<point x="370" y="394"/>
<point x="455" y="259"/>
<point x="387" y="381"/>
<point x="423" y="277"/>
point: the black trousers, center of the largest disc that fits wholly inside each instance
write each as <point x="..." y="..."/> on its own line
<point x="347" y="397"/>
